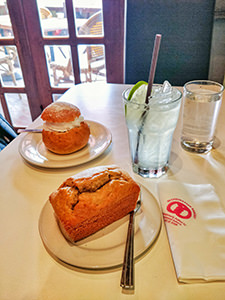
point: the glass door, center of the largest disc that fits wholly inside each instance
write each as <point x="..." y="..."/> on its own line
<point x="55" y="44"/>
<point x="14" y="103"/>
<point x="87" y="23"/>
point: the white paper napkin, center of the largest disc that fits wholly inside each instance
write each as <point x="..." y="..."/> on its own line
<point x="195" y="223"/>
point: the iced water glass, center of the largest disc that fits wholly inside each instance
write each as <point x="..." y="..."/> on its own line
<point x="150" y="131"/>
<point x="202" y="101"/>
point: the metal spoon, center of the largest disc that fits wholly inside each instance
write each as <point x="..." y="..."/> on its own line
<point x="127" y="277"/>
<point x="30" y="130"/>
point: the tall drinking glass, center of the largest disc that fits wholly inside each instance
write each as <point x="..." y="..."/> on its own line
<point x="202" y="101"/>
<point x="150" y="130"/>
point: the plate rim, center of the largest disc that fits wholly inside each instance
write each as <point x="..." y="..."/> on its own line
<point x="108" y="141"/>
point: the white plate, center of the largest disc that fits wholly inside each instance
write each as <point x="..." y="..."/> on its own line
<point x="105" y="248"/>
<point x="34" y="151"/>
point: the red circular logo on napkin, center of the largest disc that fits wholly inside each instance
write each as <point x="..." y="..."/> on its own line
<point x="178" y="209"/>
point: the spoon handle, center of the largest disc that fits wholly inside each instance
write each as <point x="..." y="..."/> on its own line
<point x="127" y="278"/>
<point x="29" y="130"/>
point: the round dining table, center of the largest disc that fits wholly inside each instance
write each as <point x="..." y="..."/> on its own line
<point x="29" y="270"/>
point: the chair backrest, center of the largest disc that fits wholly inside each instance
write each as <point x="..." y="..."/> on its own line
<point x="186" y="28"/>
<point x="94" y="27"/>
<point x="7" y="133"/>
<point x="45" y="13"/>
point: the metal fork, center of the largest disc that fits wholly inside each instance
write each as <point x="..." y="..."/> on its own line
<point x="127" y="277"/>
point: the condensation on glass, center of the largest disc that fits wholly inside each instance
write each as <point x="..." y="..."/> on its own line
<point x="59" y="64"/>
<point x="88" y="17"/>
<point x="53" y="18"/>
<point x="10" y="69"/>
<point x="92" y="63"/>
<point x="5" y="22"/>
<point x="19" y="109"/>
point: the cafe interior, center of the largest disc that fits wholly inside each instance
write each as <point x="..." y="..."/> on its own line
<point x="112" y="149"/>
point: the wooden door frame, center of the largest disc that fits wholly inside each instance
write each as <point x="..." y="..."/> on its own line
<point x="30" y="46"/>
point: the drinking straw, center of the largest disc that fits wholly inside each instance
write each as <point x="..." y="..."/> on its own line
<point x="149" y="90"/>
<point x="153" y="65"/>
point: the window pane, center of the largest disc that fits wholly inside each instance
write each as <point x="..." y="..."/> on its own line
<point x="92" y="63"/>
<point x="53" y="17"/>
<point x="88" y="16"/>
<point x="10" y="70"/>
<point x="59" y="65"/>
<point x="18" y="109"/>
<point x="5" y="22"/>
<point x="1" y="110"/>
<point x="56" y="97"/>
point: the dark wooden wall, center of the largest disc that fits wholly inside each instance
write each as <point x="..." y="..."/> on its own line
<point x="186" y="28"/>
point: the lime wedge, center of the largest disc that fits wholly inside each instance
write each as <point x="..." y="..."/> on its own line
<point x="135" y="87"/>
<point x="137" y="94"/>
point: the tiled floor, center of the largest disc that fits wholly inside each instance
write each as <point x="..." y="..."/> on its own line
<point x="18" y="108"/>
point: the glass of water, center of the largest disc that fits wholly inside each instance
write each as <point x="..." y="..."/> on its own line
<point x="151" y="127"/>
<point x="202" y="101"/>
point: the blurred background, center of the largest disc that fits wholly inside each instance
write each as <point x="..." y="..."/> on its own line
<point x="47" y="46"/>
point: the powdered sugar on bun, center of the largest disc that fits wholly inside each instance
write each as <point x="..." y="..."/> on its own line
<point x="58" y="112"/>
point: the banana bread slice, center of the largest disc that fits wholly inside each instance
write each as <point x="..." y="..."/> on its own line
<point x="93" y="199"/>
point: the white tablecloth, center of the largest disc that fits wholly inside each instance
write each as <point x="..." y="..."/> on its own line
<point x="28" y="272"/>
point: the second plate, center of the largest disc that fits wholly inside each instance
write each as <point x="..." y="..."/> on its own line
<point x="34" y="151"/>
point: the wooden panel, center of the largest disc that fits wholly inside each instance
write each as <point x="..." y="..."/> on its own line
<point x="5" y="108"/>
<point x="35" y="43"/>
<point x="113" y="14"/>
<point x="72" y="38"/>
<point x="25" y="56"/>
<point x="186" y="28"/>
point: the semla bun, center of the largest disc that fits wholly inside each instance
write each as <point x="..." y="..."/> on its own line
<point x="64" y="129"/>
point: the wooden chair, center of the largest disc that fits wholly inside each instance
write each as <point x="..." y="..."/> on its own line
<point x="65" y="70"/>
<point x="45" y="13"/>
<point x="95" y="55"/>
<point x="7" y="62"/>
